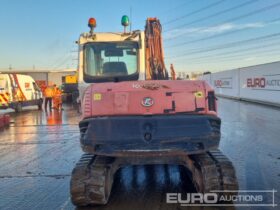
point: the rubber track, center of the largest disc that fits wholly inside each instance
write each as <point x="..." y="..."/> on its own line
<point x="213" y="171"/>
<point x="93" y="176"/>
<point x="91" y="180"/>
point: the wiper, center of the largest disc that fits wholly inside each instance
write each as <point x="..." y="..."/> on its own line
<point x="133" y="35"/>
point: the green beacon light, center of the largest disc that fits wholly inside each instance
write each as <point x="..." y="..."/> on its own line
<point x="125" y="22"/>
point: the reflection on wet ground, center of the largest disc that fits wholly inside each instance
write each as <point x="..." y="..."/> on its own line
<point x="39" y="150"/>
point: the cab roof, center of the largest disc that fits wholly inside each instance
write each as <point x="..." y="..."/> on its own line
<point x="110" y="37"/>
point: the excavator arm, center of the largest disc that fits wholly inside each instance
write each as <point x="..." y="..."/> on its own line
<point x="155" y="67"/>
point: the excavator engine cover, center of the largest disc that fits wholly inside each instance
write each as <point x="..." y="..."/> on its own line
<point x="149" y="118"/>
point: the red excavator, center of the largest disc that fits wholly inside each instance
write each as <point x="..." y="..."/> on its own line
<point x="134" y="115"/>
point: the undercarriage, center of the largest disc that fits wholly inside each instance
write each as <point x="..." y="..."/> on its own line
<point x="93" y="176"/>
<point x="183" y="139"/>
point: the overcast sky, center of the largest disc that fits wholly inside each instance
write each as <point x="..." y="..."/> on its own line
<point x="199" y="35"/>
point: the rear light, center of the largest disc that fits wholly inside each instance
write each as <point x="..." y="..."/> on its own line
<point x="211" y="101"/>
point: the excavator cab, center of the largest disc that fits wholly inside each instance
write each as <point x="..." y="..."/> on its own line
<point x="120" y="56"/>
<point x="110" y="57"/>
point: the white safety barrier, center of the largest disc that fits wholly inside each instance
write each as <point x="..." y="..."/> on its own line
<point x="259" y="83"/>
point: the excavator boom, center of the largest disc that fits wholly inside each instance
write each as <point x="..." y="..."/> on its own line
<point x="155" y="67"/>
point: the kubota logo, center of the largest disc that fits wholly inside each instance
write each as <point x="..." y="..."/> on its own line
<point x="147" y="102"/>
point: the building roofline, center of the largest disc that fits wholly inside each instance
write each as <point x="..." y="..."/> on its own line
<point x="7" y="71"/>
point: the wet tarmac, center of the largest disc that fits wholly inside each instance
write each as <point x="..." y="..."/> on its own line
<point x="39" y="150"/>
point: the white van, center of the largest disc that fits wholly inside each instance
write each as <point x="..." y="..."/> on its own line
<point x="17" y="91"/>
